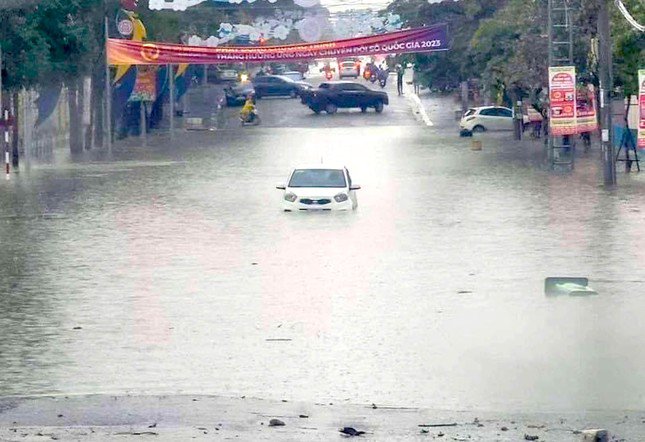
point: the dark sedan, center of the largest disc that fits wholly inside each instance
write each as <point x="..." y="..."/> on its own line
<point x="278" y="86"/>
<point x="236" y="94"/>
<point x="330" y="96"/>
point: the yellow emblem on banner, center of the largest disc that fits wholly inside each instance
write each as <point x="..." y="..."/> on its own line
<point x="150" y="52"/>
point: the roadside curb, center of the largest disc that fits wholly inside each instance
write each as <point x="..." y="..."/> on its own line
<point x="418" y="107"/>
<point x="415" y="103"/>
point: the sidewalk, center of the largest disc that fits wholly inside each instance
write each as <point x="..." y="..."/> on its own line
<point x="104" y="417"/>
<point x="434" y="111"/>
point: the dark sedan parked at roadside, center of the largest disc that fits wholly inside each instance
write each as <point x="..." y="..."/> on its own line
<point x="237" y="94"/>
<point x="278" y="85"/>
<point x="332" y="95"/>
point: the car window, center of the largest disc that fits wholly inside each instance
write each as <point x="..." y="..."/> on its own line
<point x="470" y="112"/>
<point x="488" y="112"/>
<point x="502" y="112"/>
<point x="295" y="76"/>
<point x="317" y="178"/>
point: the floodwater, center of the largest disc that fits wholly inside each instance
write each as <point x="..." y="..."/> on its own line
<point x="184" y="276"/>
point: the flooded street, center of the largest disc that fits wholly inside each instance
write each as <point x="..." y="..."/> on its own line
<point x="185" y="277"/>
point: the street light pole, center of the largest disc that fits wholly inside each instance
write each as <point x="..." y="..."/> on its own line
<point x="604" y="74"/>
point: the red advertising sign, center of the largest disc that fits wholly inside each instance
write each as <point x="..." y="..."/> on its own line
<point x="562" y="95"/>
<point x="145" y="87"/>
<point x="641" y="109"/>
<point x="426" y="39"/>
<point x="586" y="120"/>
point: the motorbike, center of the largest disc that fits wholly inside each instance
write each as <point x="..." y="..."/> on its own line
<point x="382" y="77"/>
<point x="252" y="119"/>
<point x="373" y="76"/>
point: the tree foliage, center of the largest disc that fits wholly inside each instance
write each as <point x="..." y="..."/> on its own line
<point x="504" y="44"/>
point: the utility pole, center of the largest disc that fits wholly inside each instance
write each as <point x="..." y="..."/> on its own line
<point x="0" y="77"/>
<point x="605" y="69"/>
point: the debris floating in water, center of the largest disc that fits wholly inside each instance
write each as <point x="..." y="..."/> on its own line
<point x="565" y="285"/>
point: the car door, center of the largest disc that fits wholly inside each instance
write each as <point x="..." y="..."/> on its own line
<point x="504" y="118"/>
<point x="343" y="95"/>
<point x="351" y="193"/>
<point x="281" y="87"/>
<point x="271" y="86"/>
<point x="361" y="96"/>
<point x="260" y="85"/>
<point x="487" y="118"/>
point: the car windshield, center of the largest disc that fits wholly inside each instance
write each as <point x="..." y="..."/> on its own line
<point x="470" y="112"/>
<point x="318" y="178"/>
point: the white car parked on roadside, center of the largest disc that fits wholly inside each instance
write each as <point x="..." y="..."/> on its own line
<point x="319" y="188"/>
<point x="481" y="119"/>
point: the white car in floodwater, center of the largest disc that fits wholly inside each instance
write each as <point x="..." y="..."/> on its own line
<point x="321" y="187"/>
<point x="487" y="118"/>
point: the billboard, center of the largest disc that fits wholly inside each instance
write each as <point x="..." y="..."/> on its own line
<point x="562" y="97"/>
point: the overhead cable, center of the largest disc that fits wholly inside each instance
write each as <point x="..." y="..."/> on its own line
<point x="628" y="16"/>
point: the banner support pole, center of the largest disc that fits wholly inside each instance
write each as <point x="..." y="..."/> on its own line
<point x="108" y="93"/>
<point x="171" y="88"/>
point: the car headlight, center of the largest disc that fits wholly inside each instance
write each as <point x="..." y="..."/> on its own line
<point x="290" y="196"/>
<point x="340" y="197"/>
<point x="470" y="118"/>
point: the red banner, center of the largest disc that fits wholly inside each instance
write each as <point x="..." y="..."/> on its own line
<point x="586" y="120"/>
<point x="641" y="109"/>
<point x="145" y="87"/>
<point x="427" y="39"/>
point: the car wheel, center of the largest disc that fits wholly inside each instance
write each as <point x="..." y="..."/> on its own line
<point x="331" y="108"/>
<point x="378" y="107"/>
<point x="479" y="129"/>
<point x="292" y="94"/>
<point x="363" y="109"/>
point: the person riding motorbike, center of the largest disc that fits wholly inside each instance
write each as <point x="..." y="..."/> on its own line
<point x="382" y="75"/>
<point x="249" y="114"/>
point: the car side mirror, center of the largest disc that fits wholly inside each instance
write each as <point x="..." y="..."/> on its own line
<point x="281" y="187"/>
<point x="354" y="187"/>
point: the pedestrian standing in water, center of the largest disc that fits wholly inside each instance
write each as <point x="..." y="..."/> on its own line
<point x="399" y="79"/>
<point x="415" y="79"/>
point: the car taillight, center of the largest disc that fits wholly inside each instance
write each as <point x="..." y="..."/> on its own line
<point x="341" y="197"/>
<point x="290" y="196"/>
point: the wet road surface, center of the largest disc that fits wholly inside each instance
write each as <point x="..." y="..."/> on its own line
<point x="171" y="269"/>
